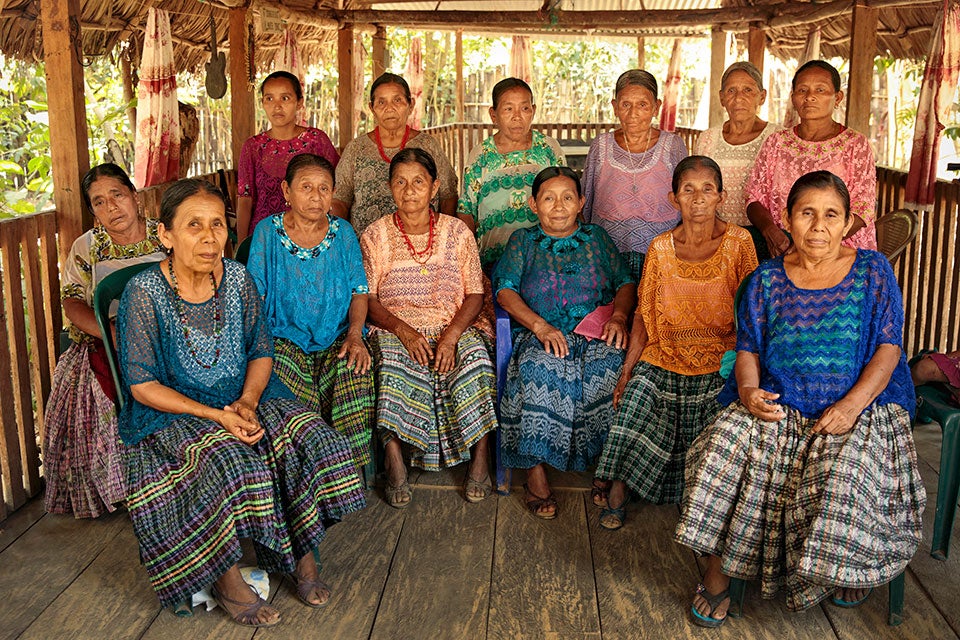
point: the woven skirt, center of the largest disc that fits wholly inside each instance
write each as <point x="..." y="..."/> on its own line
<point x="82" y="453"/>
<point x="557" y="410"/>
<point x="325" y="384"/>
<point x="806" y="512"/>
<point x="195" y="491"/>
<point x="660" y="415"/>
<point x="440" y="415"/>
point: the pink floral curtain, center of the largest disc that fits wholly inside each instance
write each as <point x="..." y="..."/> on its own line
<point x="936" y="97"/>
<point x="671" y="90"/>
<point x="520" y="59"/>
<point x="288" y="58"/>
<point x="414" y="77"/>
<point x="157" y="154"/>
<point x="810" y="52"/>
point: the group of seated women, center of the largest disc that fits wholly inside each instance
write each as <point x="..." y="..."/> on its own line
<point x="252" y="394"/>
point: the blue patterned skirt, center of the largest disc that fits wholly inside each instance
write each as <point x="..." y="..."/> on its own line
<point x="557" y="410"/>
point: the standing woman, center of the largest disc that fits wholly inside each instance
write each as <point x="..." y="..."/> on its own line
<point x="363" y="187"/>
<point x="82" y="455"/>
<point x="627" y="176"/>
<point x="500" y="171"/>
<point x="264" y="157"/>
<point x="735" y="143"/>
<point x="818" y="143"/>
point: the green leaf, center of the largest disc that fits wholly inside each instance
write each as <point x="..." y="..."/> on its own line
<point x="9" y="166"/>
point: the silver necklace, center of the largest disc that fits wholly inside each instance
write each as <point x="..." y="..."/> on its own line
<point x="634" y="164"/>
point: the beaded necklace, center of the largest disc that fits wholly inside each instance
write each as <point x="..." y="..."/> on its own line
<point x="420" y="257"/>
<point x="403" y="141"/>
<point x="217" y="324"/>
<point x="636" y="166"/>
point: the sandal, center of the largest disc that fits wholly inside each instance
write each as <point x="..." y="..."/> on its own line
<point x="714" y="600"/>
<point x="471" y="485"/>
<point x="539" y="502"/>
<point x="395" y="493"/>
<point x="849" y="604"/>
<point x="599" y="492"/>
<point x="306" y="587"/>
<point x="612" y="518"/>
<point x="248" y="615"/>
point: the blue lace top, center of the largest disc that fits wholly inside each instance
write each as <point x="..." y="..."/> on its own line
<point x="152" y="346"/>
<point x="813" y="344"/>
<point x="307" y="291"/>
<point x="562" y="279"/>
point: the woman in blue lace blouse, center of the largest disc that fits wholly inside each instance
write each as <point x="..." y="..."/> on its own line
<point x="217" y="449"/>
<point x="564" y="283"/>
<point x="808" y="480"/>
<point x="307" y="265"/>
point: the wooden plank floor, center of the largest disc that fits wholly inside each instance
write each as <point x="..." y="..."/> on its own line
<point x="447" y="569"/>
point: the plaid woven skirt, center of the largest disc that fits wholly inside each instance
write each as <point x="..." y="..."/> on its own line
<point x="82" y="453"/>
<point x="325" y="384"/>
<point x="195" y="491"/>
<point x="440" y="415"/>
<point x="806" y="512"/>
<point x="557" y="410"/>
<point x="660" y="415"/>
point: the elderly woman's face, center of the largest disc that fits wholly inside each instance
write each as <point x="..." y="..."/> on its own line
<point x="818" y="223"/>
<point x="557" y="205"/>
<point x="514" y="113"/>
<point x="813" y="95"/>
<point x="198" y="233"/>
<point x="310" y="194"/>
<point x="698" y="195"/>
<point x="114" y="205"/>
<point x="635" y="107"/>
<point x="390" y="106"/>
<point x="741" y="96"/>
<point x="413" y="188"/>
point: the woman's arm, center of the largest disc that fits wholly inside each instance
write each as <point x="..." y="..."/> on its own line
<point x="758" y="402"/>
<point x="340" y="209"/>
<point x="414" y="341"/>
<point x="353" y="349"/>
<point x="81" y="316"/>
<point x="841" y="416"/>
<point x="446" y="354"/>
<point x="244" y="214"/>
<point x="615" y="330"/>
<point x="638" y="340"/>
<point x="552" y="338"/>
<point x="777" y="241"/>
<point x="449" y="206"/>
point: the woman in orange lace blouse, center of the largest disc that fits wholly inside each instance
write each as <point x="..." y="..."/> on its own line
<point x="683" y="324"/>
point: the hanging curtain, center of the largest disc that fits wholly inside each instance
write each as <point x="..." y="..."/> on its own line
<point x="671" y="90"/>
<point x="414" y="78"/>
<point x="810" y="52"/>
<point x="157" y="154"/>
<point x="520" y="59"/>
<point x="933" y="106"/>
<point x="288" y="58"/>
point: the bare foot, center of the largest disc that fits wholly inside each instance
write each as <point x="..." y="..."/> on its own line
<point x="397" y="491"/>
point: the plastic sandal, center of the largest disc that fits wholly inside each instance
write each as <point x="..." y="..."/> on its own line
<point x="714" y="600"/>
<point x="850" y="604"/>
<point x="248" y="615"/>
<point x="470" y="485"/>
<point x="612" y="518"/>
<point x="539" y="502"/>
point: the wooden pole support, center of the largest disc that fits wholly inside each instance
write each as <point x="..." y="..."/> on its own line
<point x="718" y="62"/>
<point x="461" y="90"/>
<point x="863" y="47"/>
<point x="241" y="92"/>
<point x="345" y="97"/>
<point x="756" y="47"/>
<point x="381" y="54"/>
<point x="641" y="52"/>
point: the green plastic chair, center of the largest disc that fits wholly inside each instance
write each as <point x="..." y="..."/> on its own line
<point x="933" y="405"/>
<point x="110" y="289"/>
<point x="242" y="254"/>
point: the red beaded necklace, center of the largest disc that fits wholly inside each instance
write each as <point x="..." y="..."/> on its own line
<point x="403" y="142"/>
<point x="420" y="257"/>
<point x="182" y="314"/>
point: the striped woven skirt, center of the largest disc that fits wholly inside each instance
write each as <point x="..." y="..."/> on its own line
<point x="325" y="384"/>
<point x="82" y="453"/>
<point x="557" y="410"/>
<point x="806" y="512"/>
<point x="440" y="415"/>
<point x="660" y="415"/>
<point x="195" y="491"/>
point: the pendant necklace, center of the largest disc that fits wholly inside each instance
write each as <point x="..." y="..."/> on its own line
<point x="634" y="164"/>
<point x="420" y="257"/>
<point x="403" y="142"/>
<point x="217" y="319"/>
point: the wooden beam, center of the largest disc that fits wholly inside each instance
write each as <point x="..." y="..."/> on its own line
<point x="863" y="48"/>
<point x="345" y="92"/>
<point x="461" y="90"/>
<point x="69" y="154"/>
<point x="242" y="107"/>
<point x="126" y="74"/>
<point x="756" y="47"/>
<point x="718" y="62"/>
<point x="641" y="52"/>
<point x="381" y="53"/>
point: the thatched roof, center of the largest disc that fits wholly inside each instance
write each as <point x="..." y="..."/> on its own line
<point x="904" y="25"/>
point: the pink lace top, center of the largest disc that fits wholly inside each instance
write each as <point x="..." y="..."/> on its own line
<point x="784" y="157"/>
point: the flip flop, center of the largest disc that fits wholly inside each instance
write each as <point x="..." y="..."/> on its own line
<point x="246" y="617"/>
<point x="714" y="600"/>
<point x="535" y="505"/>
<point x="850" y="604"/>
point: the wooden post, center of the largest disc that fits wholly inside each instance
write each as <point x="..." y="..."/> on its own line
<point x="461" y="92"/>
<point x="345" y="93"/>
<point x="641" y="52"/>
<point x="380" y="51"/>
<point x="756" y="47"/>
<point x="70" y="158"/>
<point x="718" y="62"/>
<point x="863" y="49"/>
<point x="241" y="92"/>
<point x="128" y="93"/>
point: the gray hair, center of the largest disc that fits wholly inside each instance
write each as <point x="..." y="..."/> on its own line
<point x="637" y="77"/>
<point x="747" y="68"/>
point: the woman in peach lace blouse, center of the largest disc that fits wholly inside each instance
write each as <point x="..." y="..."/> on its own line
<point x="683" y="324"/>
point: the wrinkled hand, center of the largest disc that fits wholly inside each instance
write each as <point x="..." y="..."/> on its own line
<point x="777" y="241"/>
<point x="240" y="419"/>
<point x="836" y="420"/>
<point x="416" y="345"/>
<point x="356" y="353"/>
<point x="618" y="390"/>
<point x="446" y="351"/>
<point x="761" y="404"/>
<point x="615" y="333"/>
<point x="553" y="340"/>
